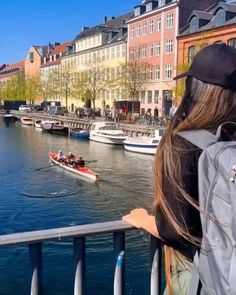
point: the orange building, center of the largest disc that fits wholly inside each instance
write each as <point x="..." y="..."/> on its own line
<point x="215" y="25"/>
<point x="35" y="58"/>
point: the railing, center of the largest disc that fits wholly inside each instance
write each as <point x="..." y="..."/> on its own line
<point x="35" y="239"/>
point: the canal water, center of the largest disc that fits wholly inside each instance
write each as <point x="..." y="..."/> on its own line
<point x="48" y="198"/>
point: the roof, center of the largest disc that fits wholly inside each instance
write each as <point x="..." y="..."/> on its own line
<point x="13" y="68"/>
<point x="61" y="48"/>
<point x="112" y="24"/>
<point x="209" y="16"/>
<point x="201" y="15"/>
<point x="58" y="50"/>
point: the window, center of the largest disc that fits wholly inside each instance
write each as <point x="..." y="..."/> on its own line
<point x="137" y="11"/>
<point x="149" y="97"/>
<point x="168" y="72"/>
<point x="170" y="20"/>
<point x="151" y="26"/>
<point x="144" y="51"/>
<point x="144" y="28"/>
<point x="112" y="52"/>
<point x="191" y="53"/>
<point x="149" y="7"/>
<point x="219" y="17"/>
<point x="158" y="23"/>
<point x="158" y="48"/>
<point x="131" y="54"/>
<point x="150" y="73"/>
<point x="158" y="73"/>
<point x="138" y="52"/>
<point x="132" y="32"/>
<point x="169" y="45"/>
<point x="156" y="96"/>
<point x="142" y="96"/>
<point x="194" y="24"/>
<point x="162" y="3"/>
<point x="138" y="31"/>
<point x="232" y="42"/>
<point x="123" y="50"/>
<point x="31" y="57"/>
<point x="118" y="51"/>
<point x="151" y="49"/>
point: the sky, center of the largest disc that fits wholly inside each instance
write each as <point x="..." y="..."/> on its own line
<point x="24" y="23"/>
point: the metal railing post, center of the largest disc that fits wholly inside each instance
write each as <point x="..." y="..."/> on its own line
<point x="119" y="247"/>
<point x="156" y="270"/>
<point x="35" y="252"/>
<point x="79" y="256"/>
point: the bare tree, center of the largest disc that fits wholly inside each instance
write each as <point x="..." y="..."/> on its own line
<point x="133" y="78"/>
<point x="48" y="85"/>
<point x="92" y="82"/>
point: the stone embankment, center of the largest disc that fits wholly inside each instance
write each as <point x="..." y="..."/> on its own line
<point x="73" y="122"/>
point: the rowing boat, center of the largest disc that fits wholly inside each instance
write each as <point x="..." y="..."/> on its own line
<point x="82" y="171"/>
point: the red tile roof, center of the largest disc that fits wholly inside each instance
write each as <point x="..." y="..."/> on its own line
<point x="17" y="65"/>
<point x="61" y="48"/>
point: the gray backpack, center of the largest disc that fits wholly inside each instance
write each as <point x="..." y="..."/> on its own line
<point x="216" y="265"/>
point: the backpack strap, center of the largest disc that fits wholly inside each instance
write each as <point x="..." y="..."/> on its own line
<point x="201" y="138"/>
<point x="195" y="285"/>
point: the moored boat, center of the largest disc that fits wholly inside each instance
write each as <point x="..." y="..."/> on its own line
<point x="37" y="124"/>
<point x="144" y="144"/>
<point x="27" y="121"/>
<point x="54" y="128"/>
<point x="107" y="132"/>
<point x="79" y="133"/>
<point x="82" y="171"/>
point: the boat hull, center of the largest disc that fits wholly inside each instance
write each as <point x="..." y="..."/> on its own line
<point x="27" y="121"/>
<point x="54" y="128"/>
<point x="80" y="134"/>
<point x="81" y="171"/>
<point x="106" y="139"/>
<point x="141" y="148"/>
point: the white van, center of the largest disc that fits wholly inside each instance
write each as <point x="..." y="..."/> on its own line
<point x="24" y="108"/>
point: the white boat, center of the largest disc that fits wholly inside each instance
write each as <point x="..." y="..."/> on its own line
<point x="27" y="121"/>
<point x="144" y="144"/>
<point x="107" y="132"/>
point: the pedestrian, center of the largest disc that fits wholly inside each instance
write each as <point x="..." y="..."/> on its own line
<point x="209" y="101"/>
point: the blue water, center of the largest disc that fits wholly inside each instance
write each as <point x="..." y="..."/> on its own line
<point x="41" y="199"/>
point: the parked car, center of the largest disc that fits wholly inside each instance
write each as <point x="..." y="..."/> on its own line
<point x="79" y="112"/>
<point x="57" y="110"/>
<point x="24" y="108"/>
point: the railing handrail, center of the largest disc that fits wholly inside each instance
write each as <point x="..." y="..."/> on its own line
<point x="63" y="232"/>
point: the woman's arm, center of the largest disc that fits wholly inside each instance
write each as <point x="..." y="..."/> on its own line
<point x="140" y="218"/>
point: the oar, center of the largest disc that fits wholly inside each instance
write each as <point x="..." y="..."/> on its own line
<point x="45" y="167"/>
<point x="90" y="161"/>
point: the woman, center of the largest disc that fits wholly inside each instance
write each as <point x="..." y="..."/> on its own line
<point x="209" y="100"/>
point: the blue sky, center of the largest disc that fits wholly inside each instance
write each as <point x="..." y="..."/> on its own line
<point x="24" y="23"/>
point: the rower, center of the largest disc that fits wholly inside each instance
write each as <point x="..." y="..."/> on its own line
<point x="60" y="156"/>
<point x="81" y="162"/>
<point x="70" y="159"/>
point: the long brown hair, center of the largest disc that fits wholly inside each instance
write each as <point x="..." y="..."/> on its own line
<point x="204" y="106"/>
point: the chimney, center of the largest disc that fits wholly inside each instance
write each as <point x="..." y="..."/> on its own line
<point x="84" y="28"/>
<point x="44" y="60"/>
<point x="105" y="19"/>
<point x="112" y="17"/>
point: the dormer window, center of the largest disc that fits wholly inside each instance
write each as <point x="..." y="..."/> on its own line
<point x="194" y="24"/>
<point x="162" y="3"/>
<point x="137" y="11"/>
<point x="149" y="7"/>
<point x="219" y="17"/>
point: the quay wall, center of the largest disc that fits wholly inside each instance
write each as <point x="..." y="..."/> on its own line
<point x="72" y="122"/>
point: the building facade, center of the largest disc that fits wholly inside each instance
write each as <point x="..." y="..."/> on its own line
<point x="10" y="78"/>
<point x="104" y="45"/>
<point x="152" y="37"/>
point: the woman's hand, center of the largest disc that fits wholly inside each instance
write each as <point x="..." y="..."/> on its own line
<point x="136" y="217"/>
<point x="140" y="218"/>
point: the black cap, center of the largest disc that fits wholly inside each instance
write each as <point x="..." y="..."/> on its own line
<point x="214" y="64"/>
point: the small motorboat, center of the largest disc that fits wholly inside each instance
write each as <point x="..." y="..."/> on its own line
<point x="79" y="133"/>
<point x="82" y="171"/>
<point x="27" y="121"/>
<point x="9" y="118"/>
<point x="107" y="132"/>
<point x="54" y="128"/>
<point x="144" y="144"/>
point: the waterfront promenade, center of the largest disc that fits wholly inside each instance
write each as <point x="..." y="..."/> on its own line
<point x="73" y="122"/>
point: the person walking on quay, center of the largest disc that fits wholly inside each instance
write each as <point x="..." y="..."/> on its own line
<point x="208" y="102"/>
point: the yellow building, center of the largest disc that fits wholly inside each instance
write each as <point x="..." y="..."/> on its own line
<point x="104" y="45"/>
